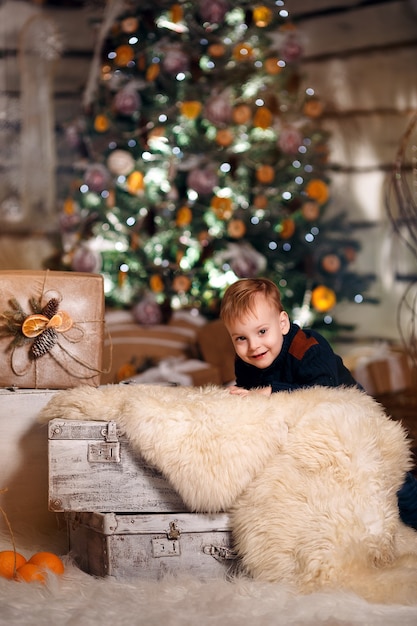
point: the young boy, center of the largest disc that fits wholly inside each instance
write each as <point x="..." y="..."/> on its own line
<point x="273" y="354"/>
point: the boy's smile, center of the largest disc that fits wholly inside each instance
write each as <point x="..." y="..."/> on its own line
<point x="258" y="336"/>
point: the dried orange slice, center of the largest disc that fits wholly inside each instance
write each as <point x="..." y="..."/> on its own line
<point x="34" y="325"/>
<point x="61" y="322"/>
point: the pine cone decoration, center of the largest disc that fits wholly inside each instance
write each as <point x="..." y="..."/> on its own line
<point x="43" y="343"/>
<point x="50" y="308"/>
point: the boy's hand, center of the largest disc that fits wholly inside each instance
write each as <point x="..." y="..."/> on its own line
<point x="240" y="391"/>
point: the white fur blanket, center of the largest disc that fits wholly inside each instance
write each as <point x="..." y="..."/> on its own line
<point x="309" y="478"/>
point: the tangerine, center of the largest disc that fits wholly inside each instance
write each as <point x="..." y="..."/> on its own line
<point x="10" y="561"/>
<point x="47" y="560"/>
<point x="29" y="572"/>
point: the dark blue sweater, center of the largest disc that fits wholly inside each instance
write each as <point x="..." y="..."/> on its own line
<point x="306" y="359"/>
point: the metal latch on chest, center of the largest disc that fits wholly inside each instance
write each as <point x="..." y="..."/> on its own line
<point x="107" y="451"/>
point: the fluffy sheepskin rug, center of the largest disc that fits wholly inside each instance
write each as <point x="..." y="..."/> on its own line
<point x="79" y="599"/>
<point x="309" y="478"/>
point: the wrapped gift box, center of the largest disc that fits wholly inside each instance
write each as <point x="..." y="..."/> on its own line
<point x="51" y="329"/>
<point x="133" y="348"/>
<point x="381" y="369"/>
<point x="180" y="371"/>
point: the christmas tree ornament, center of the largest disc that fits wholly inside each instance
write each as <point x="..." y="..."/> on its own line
<point x="127" y="101"/>
<point x="313" y="107"/>
<point x="291" y="49"/>
<point x="290" y="140"/>
<point x="202" y="180"/>
<point x="331" y="263"/>
<point x="147" y="311"/>
<point x="181" y="284"/>
<point x="263" y="118"/>
<point x="224" y="137"/>
<point x="323" y="299"/>
<point x="175" y="60"/>
<point x="86" y="260"/>
<point x="273" y="65"/>
<point x="243" y="259"/>
<point x="317" y="189"/>
<point x="97" y="177"/>
<point x="236" y="229"/>
<point x="216" y="50"/>
<point x="222" y="207"/>
<point x="286" y="228"/>
<point x="260" y="201"/>
<point x="135" y="183"/>
<point x="124" y="55"/>
<point x="265" y="174"/>
<point x="129" y="25"/>
<point x="120" y="162"/>
<point x="177" y="13"/>
<point x="218" y="109"/>
<point x="156" y="283"/>
<point x="214" y="11"/>
<point x="241" y="114"/>
<point x="190" y="109"/>
<point x="101" y="123"/>
<point x="262" y="16"/>
<point x="310" y="210"/>
<point x="184" y="216"/>
<point x="350" y="253"/>
<point x="73" y="134"/>
<point x="243" y="52"/>
<point x="152" y="72"/>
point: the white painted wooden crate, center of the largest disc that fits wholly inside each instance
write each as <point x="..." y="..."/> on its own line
<point x="92" y="468"/>
<point x="151" y="546"/>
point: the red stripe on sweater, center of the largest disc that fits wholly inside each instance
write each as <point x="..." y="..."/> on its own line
<point x="300" y="344"/>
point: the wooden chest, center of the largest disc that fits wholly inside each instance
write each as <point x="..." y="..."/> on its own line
<point x="123" y="518"/>
<point x="92" y="468"/>
<point x="151" y="546"/>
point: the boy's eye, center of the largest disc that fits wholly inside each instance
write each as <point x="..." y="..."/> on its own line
<point x="240" y="338"/>
<point x="263" y="331"/>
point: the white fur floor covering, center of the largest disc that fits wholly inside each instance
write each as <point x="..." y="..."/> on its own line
<point x="77" y="599"/>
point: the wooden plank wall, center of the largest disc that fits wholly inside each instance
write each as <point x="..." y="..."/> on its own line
<point x="360" y="57"/>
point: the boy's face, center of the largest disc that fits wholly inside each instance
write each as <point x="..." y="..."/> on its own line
<point x="258" y="337"/>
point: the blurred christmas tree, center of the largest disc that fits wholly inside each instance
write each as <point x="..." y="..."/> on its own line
<point x="203" y="161"/>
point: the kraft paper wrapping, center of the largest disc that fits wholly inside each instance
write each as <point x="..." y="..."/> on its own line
<point x="391" y="375"/>
<point x="381" y="369"/>
<point x="64" y="357"/>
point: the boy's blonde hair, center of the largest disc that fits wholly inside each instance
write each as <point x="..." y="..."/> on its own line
<point x="238" y="299"/>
